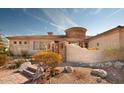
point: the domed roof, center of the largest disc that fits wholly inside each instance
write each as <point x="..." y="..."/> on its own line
<point x="76" y="29"/>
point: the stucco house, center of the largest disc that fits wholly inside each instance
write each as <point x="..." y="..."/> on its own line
<point x="57" y="43"/>
<point x="113" y="38"/>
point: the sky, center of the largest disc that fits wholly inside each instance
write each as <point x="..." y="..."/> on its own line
<point x="39" y="21"/>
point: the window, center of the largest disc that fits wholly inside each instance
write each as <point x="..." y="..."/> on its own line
<point x="20" y="42"/>
<point x="25" y="42"/>
<point x="97" y="44"/>
<point x="37" y="45"/>
<point x="15" y="42"/>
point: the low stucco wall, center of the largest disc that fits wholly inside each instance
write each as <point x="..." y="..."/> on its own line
<point x="75" y="53"/>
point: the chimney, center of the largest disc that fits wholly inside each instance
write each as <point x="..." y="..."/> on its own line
<point x="50" y="33"/>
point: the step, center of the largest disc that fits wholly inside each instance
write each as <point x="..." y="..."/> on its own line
<point x="28" y="73"/>
<point x="32" y="68"/>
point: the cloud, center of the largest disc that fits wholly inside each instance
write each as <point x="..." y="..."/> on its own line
<point x="34" y="16"/>
<point x="55" y="17"/>
<point x="115" y="12"/>
<point x="57" y="26"/>
<point x="98" y="11"/>
<point x="59" y="18"/>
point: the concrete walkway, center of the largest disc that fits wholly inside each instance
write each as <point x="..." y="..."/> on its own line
<point x="10" y="77"/>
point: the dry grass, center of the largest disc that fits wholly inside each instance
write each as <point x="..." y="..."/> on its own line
<point x="79" y="74"/>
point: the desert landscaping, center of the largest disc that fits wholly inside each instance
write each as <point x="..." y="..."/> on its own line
<point x="68" y="64"/>
<point x="102" y="73"/>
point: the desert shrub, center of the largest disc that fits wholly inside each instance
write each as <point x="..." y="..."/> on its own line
<point x="2" y="49"/>
<point x="114" y="54"/>
<point x="3" y="55"/>
<point x="48" y="58"/>
<point x="3" y="59"/>
<point x="18" y="63"/>
<point x="15" y="64"/>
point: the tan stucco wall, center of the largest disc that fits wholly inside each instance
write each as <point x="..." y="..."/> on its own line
<point x="77" y="54"/>
<point x="17" y="48"/>
<point x="105" y="41"/>
<point x="122" y="38"/>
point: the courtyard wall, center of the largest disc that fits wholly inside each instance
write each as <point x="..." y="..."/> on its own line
<point x="75" y="53"/>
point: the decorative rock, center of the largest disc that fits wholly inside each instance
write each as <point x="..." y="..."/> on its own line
<point x="57" y="71"/>
<point x="68" y="69"/>
<point x="91" y="65"/>
<point x="38" y="73"/>
<point x="99" y="73"/>
<point x="108" y="64"/>
<point x="24" y="66"/>
<point x="100" y="65"/>
<point x="118" y="65"/>
<point x="98" y="80"/>
<point x="96" y="65"/>
<point x="83" y="64"/>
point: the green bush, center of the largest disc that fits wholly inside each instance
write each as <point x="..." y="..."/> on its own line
<point x="48" y="58"/>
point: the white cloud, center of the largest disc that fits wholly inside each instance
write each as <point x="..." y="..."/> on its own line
<point x="59" y="18"/>
<point x="57" y="26"/>
<point x="34" y="16"/>
<point x="55" y="22"/>
<point x="115" y="12"/>
<point x="98" y="11"/>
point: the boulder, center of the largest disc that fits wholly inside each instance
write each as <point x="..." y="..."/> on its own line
<point x="118" y="65"/>
<point x="24" y="66"/>
<point x="100" y="65"/>
<point x="68" y="69"/>
<point x="99" y="73"/>
<point x="39" y="72"/>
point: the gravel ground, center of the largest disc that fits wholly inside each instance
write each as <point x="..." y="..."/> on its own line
<point x="115" y="76"/>
<point x="79" y="76"/>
